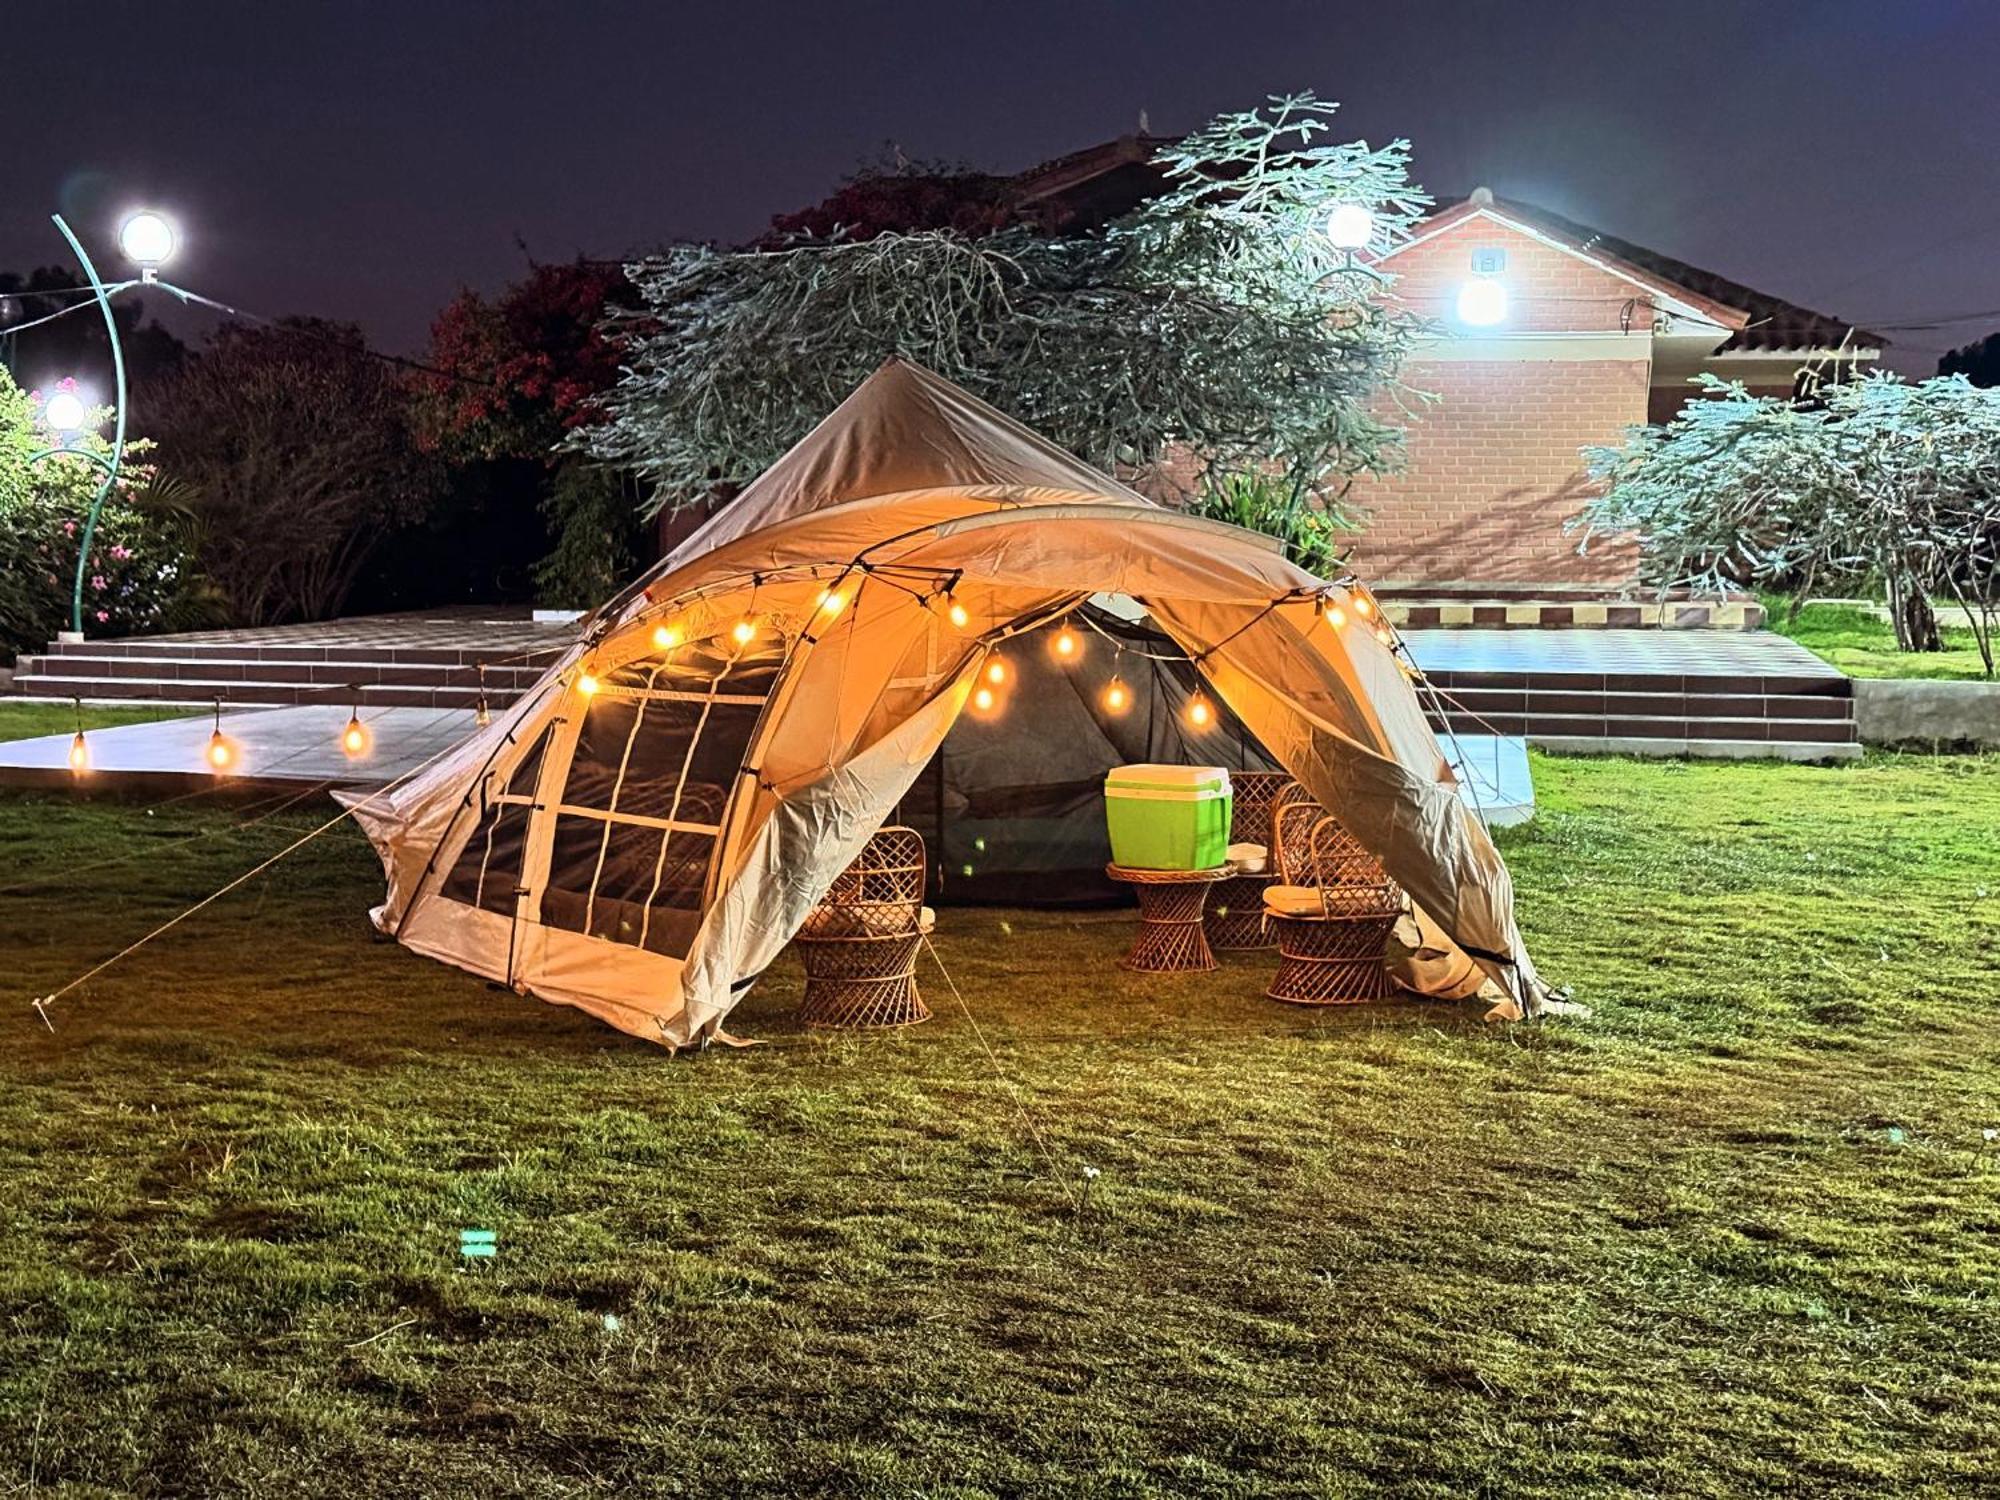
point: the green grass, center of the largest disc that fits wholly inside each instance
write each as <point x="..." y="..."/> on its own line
<point x="23" y="721"/>
<point x="1863" y="644"/>
<point x="1737" y="1233"/>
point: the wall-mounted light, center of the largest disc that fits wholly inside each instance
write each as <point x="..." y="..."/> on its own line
<point x="1482" y="302"/>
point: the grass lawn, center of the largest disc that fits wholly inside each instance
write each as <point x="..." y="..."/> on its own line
<point x="22" y="721"/>
<point x="1863" y="644"/>
<point x="1738" y="1233"/>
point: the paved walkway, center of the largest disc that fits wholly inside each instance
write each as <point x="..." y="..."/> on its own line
<point x="284" y="745"/>
<point x="1669" y="653"/>
<point x="494" y="631"/>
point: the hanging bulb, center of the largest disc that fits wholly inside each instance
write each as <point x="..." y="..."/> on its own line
<point x="666" y="637"/>
<point x="1199" y="712"/>
<point x="221" y="751"/>
<point x="1382" y="635"/>
<point x="744" y="631"/>
<point x="954" y="611"/>
<point x="79" y="754"/>
<point x="354" y="738"/>
<point x="830" y="602"/>
<point x="482" y="715"/>
<point x="588" y="685"/>
<point x="996" y="671"/>
<point x="1335" y="616"/>
<point x="1363" y="605"/>
<point x="1117" y="697"/>
<point x="983" y="700"/>
<point x="1066" y="645"/>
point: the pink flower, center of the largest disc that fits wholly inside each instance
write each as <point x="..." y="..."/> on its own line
<point x="103" y="615"/>
<point x="121" y="553"/>
<point x="69" y="528"/>
<point x="97" y="582"/>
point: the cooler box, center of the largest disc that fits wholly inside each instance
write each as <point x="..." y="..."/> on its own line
<point x="1168" y="817"/>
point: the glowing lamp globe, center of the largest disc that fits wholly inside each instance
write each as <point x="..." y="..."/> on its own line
<point x="588" y="685"/>
<point x="1199" y="713"/>
<point x="79" y="754"/>
<point x="743" y="631"/>
<point x="1350" y="227"/>
<point x="996" y="671"/>
<point x="1335" y="616"/>
<point x="956" y="613"/>
<point x="147" y="239"/>
<point x="354" y="738"/>
<point x="983" y="700"/>
<point x="65" y="412"/>
<point x="1482" y="302"/>
<point x="666" y="637"/>
<point x="221" y="751"/>
<point x="1117" y="698"/>
<point x="1066" y="645"/>
<point x="831" y="602"/>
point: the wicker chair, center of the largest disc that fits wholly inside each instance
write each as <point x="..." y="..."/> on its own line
<point x="859" y="945"/>
<point x="1234" y="917"/>
<point x="1333" y="913"/>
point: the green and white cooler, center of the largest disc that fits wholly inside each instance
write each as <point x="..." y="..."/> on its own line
<point x="1168" y="817"/>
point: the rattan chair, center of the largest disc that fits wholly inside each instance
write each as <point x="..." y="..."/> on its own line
<point x="1333" y="913"/>
<point x="1234" y="917"/>
<point x="859" y="945"/>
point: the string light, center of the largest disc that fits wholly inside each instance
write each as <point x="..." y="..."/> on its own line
<point x="983" y="700"/>
<point x="221" y="748"/>
<point x="1066" y="645"/>
<point x="744" y="631"/>
<point x="1117" y="697"/>
<point x="1335" y="616"/>
<point x="354" y="738"/>
<point x="79" y="751"/>
<point x="996" y="670"/>
<point x="588" y="685"/>
<point x="1199" y="712"/>
<point x="830" y="602"/>
<point x="954" y="611"/>
<point x="482" y="715"/>
<point x="1382" y="635"/>
<point x="1363" y="605"/>
<point x="667" y="637"/>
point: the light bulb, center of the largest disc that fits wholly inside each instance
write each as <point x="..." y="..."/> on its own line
<point x="983" y="700"/>
<point x="1362" y="606"/>
<point x="1067" y="646"/>
<point x="482" y="715"/>
<point x="830" y="602"/>
<point x="1117" y="697"/>
<point x="1383" y="635"/>
<point x="996" y="671"/>
<point x="79" y="754"/>
<point x="1482" y="302"/>
<point x="354" y="738"/>
<point x="956" y="613"/>
<point x="146" y="238"/>
<point x="65" y="412"/>
<point x="1350" y="227"/>
<point x="221" y="751"/>
<point x="743" y="631"/>
<point x="1335" y="616"/>
<point x="587" y="685"/>
<point x="1199" y="713"/>
<point x="666" y="637"/>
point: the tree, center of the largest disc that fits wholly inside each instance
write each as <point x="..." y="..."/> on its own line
<point x="139" y="576"/>
<point x="900" y="196"/>
<point x="511" y="377"/>
<point x="291" y="452"/>
<point x="1978" y="362"/>
<point x="1215" y="318"/>
<point x="1877" y="480"/>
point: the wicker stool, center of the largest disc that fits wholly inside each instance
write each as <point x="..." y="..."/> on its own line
<point x="859" y="945"/>
<point x="1234" y="918"/>
<point x="1333" y="917"/>
<point x="1170" y="939"/>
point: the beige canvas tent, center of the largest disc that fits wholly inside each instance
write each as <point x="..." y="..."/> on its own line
<point x="643" y="831"/>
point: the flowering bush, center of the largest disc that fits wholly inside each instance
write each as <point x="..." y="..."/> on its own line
<point x="139" y="575"/>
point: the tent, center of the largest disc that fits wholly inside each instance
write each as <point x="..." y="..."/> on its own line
<point x="643" y="831"/>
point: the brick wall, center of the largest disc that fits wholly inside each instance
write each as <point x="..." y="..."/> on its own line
<point x="1493" y="466"/>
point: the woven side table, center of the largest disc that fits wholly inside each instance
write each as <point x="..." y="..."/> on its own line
<point x="1170" y="939"/>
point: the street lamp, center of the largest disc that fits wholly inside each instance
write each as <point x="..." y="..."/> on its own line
<point x="1350" y="227"/>
<point x="148" y="239"/>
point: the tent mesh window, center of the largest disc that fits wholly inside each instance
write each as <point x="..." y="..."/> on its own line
<point x="658" y="750"/>
<point x="488" y="872"/>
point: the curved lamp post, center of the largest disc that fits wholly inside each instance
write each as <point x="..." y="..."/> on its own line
<point x="146" y="239"/>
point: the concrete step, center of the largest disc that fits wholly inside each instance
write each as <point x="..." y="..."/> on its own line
<point x="338" y="672"/>
<point x="242" y="691"/>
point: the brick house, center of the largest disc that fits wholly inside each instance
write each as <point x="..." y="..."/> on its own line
<point x="1573" y="336"/>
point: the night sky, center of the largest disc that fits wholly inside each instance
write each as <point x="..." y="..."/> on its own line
<point x="364" y="161"/>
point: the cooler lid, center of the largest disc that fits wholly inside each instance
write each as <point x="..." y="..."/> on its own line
<point x="1211" y="780"/>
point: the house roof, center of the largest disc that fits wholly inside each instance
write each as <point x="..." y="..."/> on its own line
<point x="1089" y="187"/>
<point x="1771" y="324"/>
